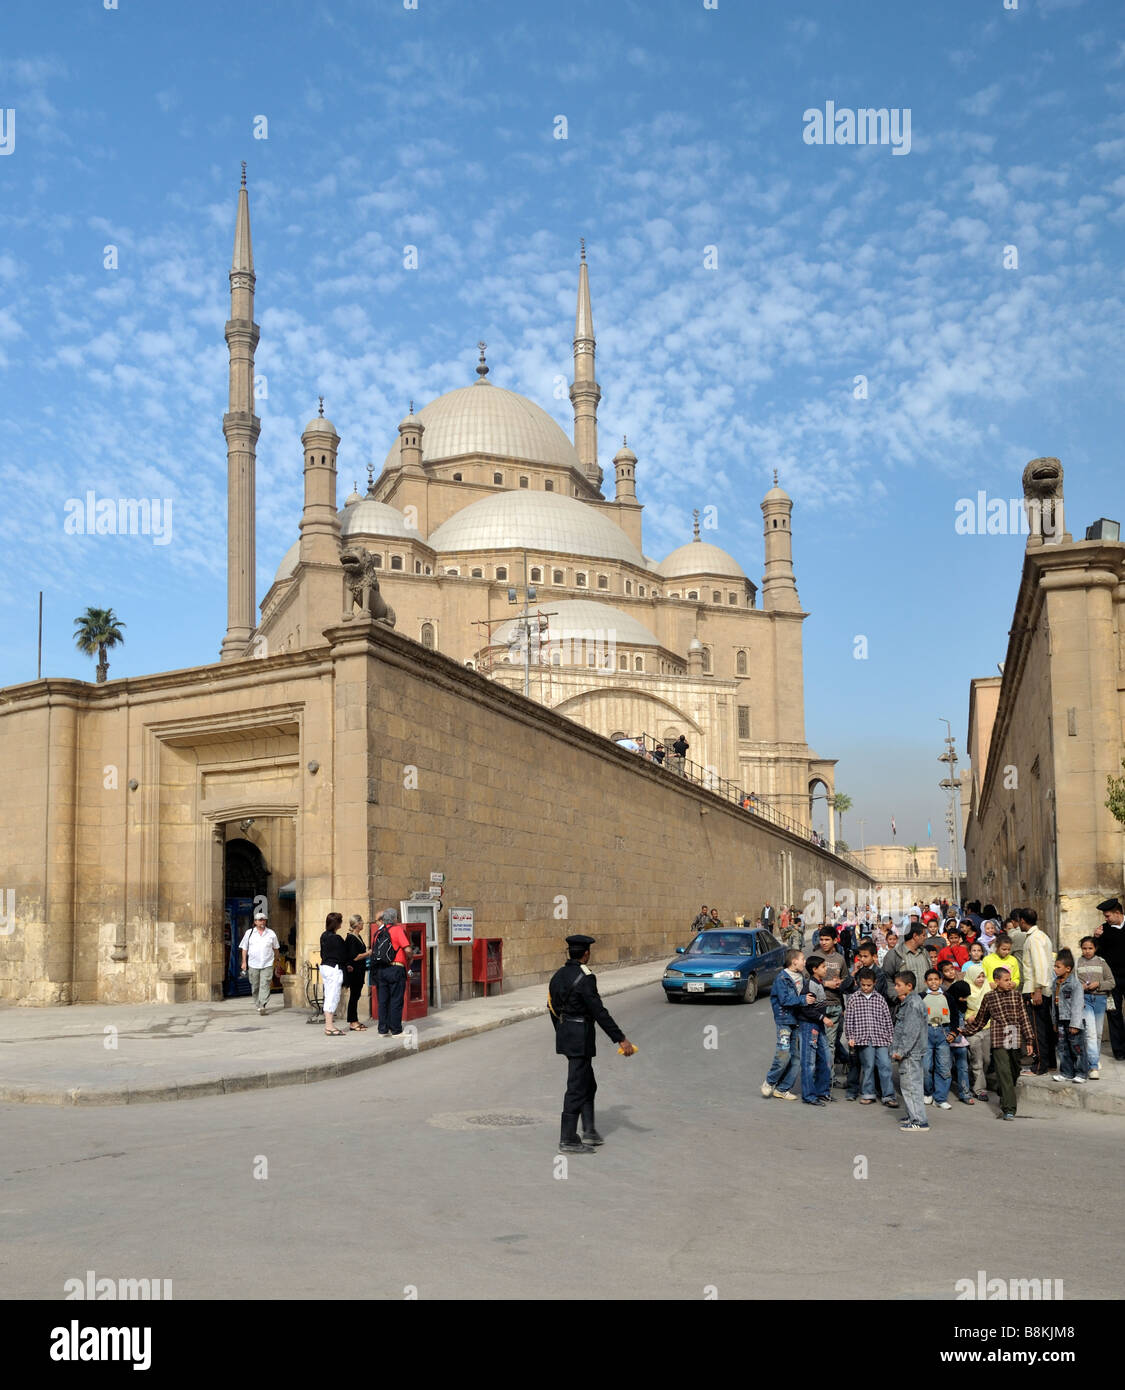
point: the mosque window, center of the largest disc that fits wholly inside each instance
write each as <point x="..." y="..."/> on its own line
<point x="499" y="478"/>
<point x="706" y="661"/>
<point x="732" y="598"/>
<point x="557" y="577"/>
<point x="429" y="569"/>
<point x="617" y="734"/>
<point x="501" y="571"/>
<point x="457" y="478"/>
<point x="603" y="581"/>
<point x="693" y="593"/>
<point x="549" y="485"/>
<point x="716" y="596"/>
<point x="378" y="561"/>
<point x="740" y="664"/>
<point x="428" y="636"/>
<point x="536" y="575"/>
<point x="775" y="523"/>
<point x="396" y="562"/>
<point x="670" y="595"/>
<point x="477" y="574"/>
<point x="638" y="663"/>
<point x="628" y="586"/>
<point x="641" y="590"/>
<point x="454" y="572"/>
<point x="623" y="661"/>
<point x="556" y="658"/>
<point x="580" y="579"/>
<point x="417" y="566"/>
<point x="523" y="482"/>
<point x="744" y="721"/>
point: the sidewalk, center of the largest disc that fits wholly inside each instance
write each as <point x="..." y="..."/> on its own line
<point x="94" y="1054"/>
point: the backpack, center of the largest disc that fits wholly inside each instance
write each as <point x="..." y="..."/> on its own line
<point x="383" y="949"/>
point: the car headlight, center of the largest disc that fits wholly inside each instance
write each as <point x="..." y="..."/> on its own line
<point x="669" y="973"/>
<point x="726" y="975"/>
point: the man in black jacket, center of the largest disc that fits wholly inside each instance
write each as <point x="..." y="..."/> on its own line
<point x="574" y="1006"/>
<point x="1110" y="938"/>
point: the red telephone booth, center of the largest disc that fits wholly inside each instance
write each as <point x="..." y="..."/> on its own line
<point x="415" y="1004"/>
<point x="488" y="961"/>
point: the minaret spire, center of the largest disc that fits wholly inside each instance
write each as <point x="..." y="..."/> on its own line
<point x="241" y="428"/>
<point x="585" y="393"/>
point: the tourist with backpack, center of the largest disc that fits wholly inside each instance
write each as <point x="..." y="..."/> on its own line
<point x="390" y="959"/>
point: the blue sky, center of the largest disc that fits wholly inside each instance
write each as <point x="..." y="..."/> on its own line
<point x="435" y="128"/>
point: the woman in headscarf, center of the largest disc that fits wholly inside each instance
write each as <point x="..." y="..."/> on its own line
<point x="980" y="1045"/>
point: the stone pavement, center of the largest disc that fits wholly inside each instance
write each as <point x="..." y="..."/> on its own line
<point x="97" y="1054"/>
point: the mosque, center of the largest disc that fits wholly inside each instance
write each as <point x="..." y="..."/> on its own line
<point x="365" y="738"/>
<point x="495" y="544"/>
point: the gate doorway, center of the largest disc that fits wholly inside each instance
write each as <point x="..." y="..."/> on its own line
<point x="244" y="883"/>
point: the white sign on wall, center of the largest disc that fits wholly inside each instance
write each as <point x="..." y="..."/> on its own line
<point x="460" y="925"/>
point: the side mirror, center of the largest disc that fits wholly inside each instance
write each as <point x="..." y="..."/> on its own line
<point x="681" y="950"/>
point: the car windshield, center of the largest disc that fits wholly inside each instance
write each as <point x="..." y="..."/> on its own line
<point x="722" y="943"/>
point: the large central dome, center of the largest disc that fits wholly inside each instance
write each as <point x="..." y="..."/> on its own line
<point x="486" y="419"/>
<point x="544" y="522"/>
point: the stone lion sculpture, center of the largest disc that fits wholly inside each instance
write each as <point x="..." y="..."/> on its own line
<point x="363" y="585"/>
<point x="1043" y="498"/>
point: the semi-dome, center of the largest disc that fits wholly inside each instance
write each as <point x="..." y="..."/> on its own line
<point x="544" y="522"/>
<point x="288" y="563"/>
<point x="699" y="557"/>
<point x="486" y="419"/>
<point x="584" y="620"/>
<point x="370" y="518"/>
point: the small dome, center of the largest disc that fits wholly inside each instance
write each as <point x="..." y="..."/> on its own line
<point x="577" y="620"/>
<point x="320" y="425"/>
<point x="544" y="521"/>
<point x="353" y="497"/>
<point x="486" y="419"/>
<point x="699" y="557"/>
<point x="777" y="494"/>
<point x="412" y="422"/>
<point x="624" y="455"/>
<point x="288" y="563"/>
<point x="366" y="517"/>
<point x="695" y="645"/>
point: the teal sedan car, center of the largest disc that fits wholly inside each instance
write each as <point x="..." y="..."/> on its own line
<point x="734" y="963"/>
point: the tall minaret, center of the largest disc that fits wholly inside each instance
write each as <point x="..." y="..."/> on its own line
<point x="779" y="584"/>
<point x="320" y="522"/>
<point x="241" y="428"/>
<point x="585" y="393"/>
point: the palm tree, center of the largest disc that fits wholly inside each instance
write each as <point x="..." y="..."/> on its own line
<point x="843" y="803"/>
<point x="98" y="630"/>
<point x="912" y="850"/>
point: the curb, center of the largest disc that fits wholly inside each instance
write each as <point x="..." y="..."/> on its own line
<point x="218" y="1085"/>
<point x="1041" y="1097"/>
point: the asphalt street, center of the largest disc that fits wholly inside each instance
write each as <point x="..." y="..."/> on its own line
<point x="440" y="1175"/>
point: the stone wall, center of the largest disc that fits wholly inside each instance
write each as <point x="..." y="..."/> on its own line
<point x="386" y="762"/>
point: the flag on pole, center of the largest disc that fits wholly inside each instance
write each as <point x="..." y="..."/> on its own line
<point x="929" y="831"/>
<point x="894" y="832"/>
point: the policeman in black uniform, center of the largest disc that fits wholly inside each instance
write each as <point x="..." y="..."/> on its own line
<point x="575" y="1006"/>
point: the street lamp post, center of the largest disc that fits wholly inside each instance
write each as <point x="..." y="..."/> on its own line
<point x="951" y="785"/>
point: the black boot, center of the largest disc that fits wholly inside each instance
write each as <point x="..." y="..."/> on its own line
<point x="590" y="1134"/>
<point x="569" y="1143"/>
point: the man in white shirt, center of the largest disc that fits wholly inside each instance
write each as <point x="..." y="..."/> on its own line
<point x="258" y="947"/>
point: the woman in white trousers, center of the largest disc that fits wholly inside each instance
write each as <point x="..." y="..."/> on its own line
<point x="332" y="955"/>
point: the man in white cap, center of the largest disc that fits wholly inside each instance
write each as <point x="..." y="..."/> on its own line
<point x="259" y="947"/>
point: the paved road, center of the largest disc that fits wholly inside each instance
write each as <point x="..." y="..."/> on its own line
<point x="701" y="1183"/>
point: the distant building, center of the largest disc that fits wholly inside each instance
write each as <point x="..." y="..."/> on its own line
<point x="1046" y="734"/>
<point x="906" y="875"/>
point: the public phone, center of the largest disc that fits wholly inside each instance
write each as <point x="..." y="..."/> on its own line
<point x="415" y="1002"/>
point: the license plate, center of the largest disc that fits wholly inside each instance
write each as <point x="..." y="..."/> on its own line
<point x="695" y="989"/>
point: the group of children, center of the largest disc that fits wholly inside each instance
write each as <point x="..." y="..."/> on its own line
<point x="943" y="1014"/>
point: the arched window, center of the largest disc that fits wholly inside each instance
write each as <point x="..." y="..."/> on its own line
<point x="638" y="663"/>
<point x="453" y="572"/>
<point x="716" y="596"/>
<point x="580" y="580"/>
<point x="477" y="574"/>
<point x="417" y="566"/>
<point x="603" y="581"/>
<point x="618" y="733"/>
<point x="558" y="577"/>
<point x="523" y="482"/>
<point x="740" y="665"/>
<point x="628" y="586"/>
<point x="378" y="561"/>
<point x="501" y="571"/>
<point x="536" y="575"/>
<point x="732" y="598"/>
<point x="457" y="478"/>
<point x="775" y="524"/>
<point x="499" y="478"/>
<point x="549" y="486"/>
<point x="396" y="562"/>
<point x="624" y="661"/>
<point x="641" y="590"/>
<point x="428" y="636"/>
<point x="693" y="593"/>
<point x="706" y="661"/>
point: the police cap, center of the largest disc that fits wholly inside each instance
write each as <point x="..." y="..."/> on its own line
<point x="580" y="941"/>
<point x="1110" y="905"/>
